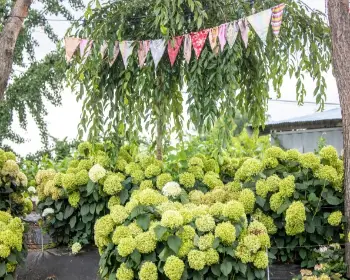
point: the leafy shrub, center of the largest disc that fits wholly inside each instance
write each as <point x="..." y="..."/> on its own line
<point x="155" y="236"/>
<point x="13" y="186"/>
<point x="11" y="247"/>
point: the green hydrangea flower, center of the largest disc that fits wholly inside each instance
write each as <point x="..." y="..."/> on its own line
<point x="267" y="221"/>
<point x="85" y="164"/>
<point x="212" y="181"/>
<point x="196" y="161"/>
<point x="85" y="149"/>
<point x="275" y="152"/>
<point x="295" y="218"/>
<point x="247" y="198"/>
<point x="205" y="223"/>
<point x="276" y="201"/>
<point x="234" y="210"/>
<point x="172" y="219"/>
<point x="330" y="154"/>
<point x="10" y="156"/>
<point x="81" y="178"/>
<point x="121" y="164"/>
<point x="148" y="271"/>
<point x="174" y="268"/>
<point x="310" y="160"/>
<point x="196" y="259"/>
<point x="118" y="214"/>
<point x="10" y="168"/>
<point x="120" y="233"/>
<point x="187" y="180"/>
<point x="146" y="184"/>
<point x="126" y="246"/>
<point x="287" y="186"/>
<point x="162" y="179"/>
<point x="334" y="219"/>
<point x="124" y="273"/>
<point x="261" y="260"/>
<point x="293" y="155"/>
<point x="226" y="232"/>
<point x="112" y="185"/>
<point x="211" y="257"/>
<point x="206" y="241"/>
<point x="146" y="242"/>
<point x="251" y="167"/>
<point x="211" y="165"/>
<point x="74" y="199"/>
<point x="196" y="196"/>
<point x="216" y="209"/>
<point x="152" y="171"/>
<point x="197" y="171"/>
<point x="137" y="176"/>
<point x="132" y="166"/>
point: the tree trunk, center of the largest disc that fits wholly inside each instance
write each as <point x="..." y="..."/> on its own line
<point x="8" y="38"/>
<point x="339" y="19"/>
<point x="159" y="139"/>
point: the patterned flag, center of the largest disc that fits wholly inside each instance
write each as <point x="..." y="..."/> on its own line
<point x="173" y="48"/>
<point x="85" y="49"/>
<point x="71" y="44"/>
<point x="231" y="33"/>
<point x="277" y="14"/>
<point x="115" y="53"/>
<point x="198" y="41"/>
<point x="244" y="27"/>
<point x="143" y="51"/>
<point x="222" y="35"/>
<point x="103" y="49"/>
<point x="187" y="48"/>
<point x="126" y="48"/>
<point x="157" y="50"/>
<point x="261" y="23"/>
<point x="213" y="39"/>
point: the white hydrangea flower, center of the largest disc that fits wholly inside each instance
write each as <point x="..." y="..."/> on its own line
<point x="76" y="247"/>
<point x="171" y="189"/>
<point x="96" y="173"/>
<point x="47" y="212"/>
<point x="32" y="190"/>
<point x="323" y="249"/>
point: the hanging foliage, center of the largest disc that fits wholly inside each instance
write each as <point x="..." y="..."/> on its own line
<point x="130" y="99"/>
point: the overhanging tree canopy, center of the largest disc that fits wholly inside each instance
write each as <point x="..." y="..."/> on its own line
<point x="118" y="99"/>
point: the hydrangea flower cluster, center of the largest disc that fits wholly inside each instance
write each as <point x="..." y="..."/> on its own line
<point x="188" y="230"/>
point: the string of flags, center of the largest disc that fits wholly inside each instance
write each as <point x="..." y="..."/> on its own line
<point x="218" y="37"/>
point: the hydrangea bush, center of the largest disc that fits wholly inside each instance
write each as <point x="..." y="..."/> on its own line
<point x="154" y="236"/>
<point x="13" y="186"/>
<point x="12" y="252"/>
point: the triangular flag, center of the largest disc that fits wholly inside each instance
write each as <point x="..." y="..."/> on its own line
<point x="277" y="14"/>
<point x="198" y="41"/>
<point x="103" y="49"/>
<point x="231" y="33"/>
<point x="187" y="48"/>
<point x="244" y="27"/>
<point x="213" y="39"/>
<point x="126" y="48"/>
<point x="222" y="35"/>
<point x="71" y="44"/>
<point x="157" y="50"/>
<point x="173" y="48"/>
<point x="261" y="23"/>
<point x="142" y="52"/>
<point x="115" y="53"/>
<point x="85" y="48"/>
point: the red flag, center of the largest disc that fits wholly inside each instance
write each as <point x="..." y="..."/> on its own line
<point x="173" y="48"/>
<point x="198" y="41"/>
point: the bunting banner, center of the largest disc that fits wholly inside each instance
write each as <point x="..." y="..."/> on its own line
<point x="115" y="53"/>
<point x="71" y="44"/>
<point x="219" y="36"/>
<point x="277" y="15"/>
<point x="126" y="48"/>
<point x="231" y="33"/>
<point x="143" y="51"/>
<point x="198" y="41"/>
<point x="244" y="28"/>
<point x="187" y="48"/>
<point x="222" y="35"/>
<point x="157" y="50"/>
<point x="173" y="48"/>
<point x="85" y="49"/>
<point x="103" y="49"/>
<point x="261" y="23"/>
<point x="213" y="39"/>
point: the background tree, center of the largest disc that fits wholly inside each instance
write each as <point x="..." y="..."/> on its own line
<point x="43" y="80"/>
<point x="339" y="19"/>
<point x="125" y="100"/>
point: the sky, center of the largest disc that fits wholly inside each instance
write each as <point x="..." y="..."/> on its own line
<point x="63" y="121"/>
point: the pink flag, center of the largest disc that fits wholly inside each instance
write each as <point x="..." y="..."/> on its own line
<point x="213" y="39"/>
<point x="71" y="44"/>
<point x="85" y="48"/>
<point x="244" y="27"/>
<point x="173" y="48"/>
<point x="222" y="35"/>
<point x="115" y="53"/>
<point x="198" y="41"/>
<point x="187" y="48"/>
<point x="143" y="51"/>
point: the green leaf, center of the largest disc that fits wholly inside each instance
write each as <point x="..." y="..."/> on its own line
<point x="283" y="207"/>
<point x="8" y="277"/>
<point x="2" y="269"/>
<point x="85" y="209"/>
<point x="90" y="187"/>
<point x="72" y="221"/>
<point x="92" y="208"/>
<point x="112" y="276"/>
<point x="143" y="221"/>
<point x="12" y="258"/>
<point x="123" y="195"/>
<point x="165" y="254"/>
<point x="136" y="257"/>
<point x="59" y="216"/>
<point x="242" y="267"/>
<point x="312" y="197"/>
<point x="216" y="242"/>
<point x="160" y="231"/>
<point x="302" y="253"/>
<point x="226" y="267"/>
<point x="68" y="211"/>
<point x="260" y="201"/>
<point x="174" y="242"/>
<point x="333" y="200"/>
<point x="215" y="269"/>
<point x="100" y="207"/>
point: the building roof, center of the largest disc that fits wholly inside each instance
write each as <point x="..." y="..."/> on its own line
<point x="325" y="119"/>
